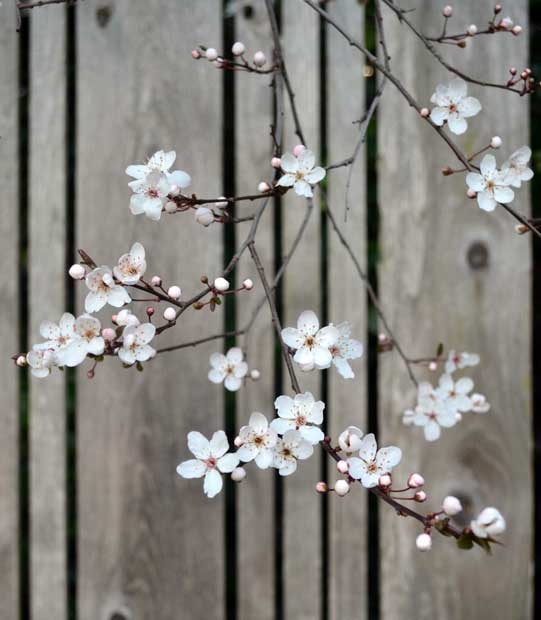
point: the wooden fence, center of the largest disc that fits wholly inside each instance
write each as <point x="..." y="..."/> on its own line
<point x="84" y="93"/>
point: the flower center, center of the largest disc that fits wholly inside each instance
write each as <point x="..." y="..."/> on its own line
<point x="310" y="341"/>
<point x="299" y="175"/>
<point x="211" y="462"/>
<point x="152" y="192"/>
<point x="301" y="420"/>
<point x="229" y="370"/>
<point x="372" y="468"/>
<point x="258" y="441"/>
<point x="452" y="107"/>
<point x="286" y="452"/>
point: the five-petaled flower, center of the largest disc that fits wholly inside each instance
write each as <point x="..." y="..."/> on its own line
<point x="460" y="360"/>
<point x="300" y="173"/>
<point x="210" y="461"/>
<point x="345" y="349"/>
<point x="373" y="463"/>
<point x="491" y="185"/>
<point x="302" y="413"/>
<point x="489" y="523"/>
<point x="229" y="368"/>
<point x="454" y="106"/>
<point x="258" y="440"/>
<point x="135" y="347"/>
<point x="41" y="361"/>
<point x="516" y="167"/>
<point x="288" y="450"/>
<point x="104" y="290"/>
<point x="431" y="412"/>
<point x="311" y="344"/>
<point x="132" y="266"/>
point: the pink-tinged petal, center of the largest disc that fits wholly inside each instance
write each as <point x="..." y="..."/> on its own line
<point x="389" y="457"/>
<point x="327" y="336"/>
<point x="95" y="300"/>
<point x="281" y="426"/>
<point x="312" y="434"/>
<point x="228" y="462"/>
<point x="488" y="164"/>
<point x="213" y="483"/>
<point x="486" y="201"/>
<point x="432" y="430"/>
<point x="306" y="160"/>
<point x="439" y="115"/>
<point x="259" y="423"/>
<point x="315" y="176"/>
<point x="235" y="355"/>
<point x="292" y="337"/>
<point x="264" y="459"/>
<point x="286" y="180"/>
<point x="284" y="405"/>
<point x="322" y="357"/>
<point x="289" y="163"/>
<point x="475" y="182"/>
<point x="232" y="383"/>
<point x="469" y="106"/>
<point x="180" y="178"/>
<point x="308" y="323"/>
<point x="368" y="449"/>
<point x="193" y="468"/>
<point x="302" y="188"/>
<point x="457" y="124"/>
<point x="199" y="445"/>
<point x="137" y="171"/>
<point x="503" y="194"/>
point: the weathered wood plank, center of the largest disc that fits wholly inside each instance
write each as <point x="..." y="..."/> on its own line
<point x="47" y="279"/>
<point x="150" y="543"/>
<point x="302" y="291"/>
<point x="346" y="301"/>
<point x="9" y="449"/>
<point x="256" y="549"/>
<point x="433" y="291"/>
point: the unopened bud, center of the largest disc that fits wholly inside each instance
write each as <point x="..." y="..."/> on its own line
<point x="211" y="54"/>
<point x="77" y="272"/>
<point x="204" y="216"/>
<point x="238" y="48"/>
<point x="90" y="374"/>
<point x="298" y="149"/>
<point x="415" y="481"/>
<point x="238" y="474"/>
<point x="462" y="44"/>
<point x="169" y="314"/>
<point x="321" y="487"/>
<point x="471" y="194"/>
<point x="385" y="481"/>
<point x="447" y="11"/>
<point x="342" y="467"/>
<point x="433" y="366"/>
<point x="341" y="487"/>
<point x="263" y="187"/>
<point x="170" y="206"/>
<point x="423" y="542"/>
<point x="520" y="229"/>
<point x="222" y="202"/>
<point x="513" y="71"/>
<point x="108" y="333"/>
<point x="156" y="281"/>
<point x="524" y="75"/>
<point x="420" y="496"/>
<point x="496" y="142"/>
<point x="497" y="9"/>
<point x="472" y="30"/>
<point x="248" y="284"/>
<point x="255" y="374"/>
<point x="451" y="506"/>
<point x="150" y="311"/>
<point x="259" y="59"/>
<point x="174" y="292"/>
<point x="446" y="171"/>
<point x="506" y="22"/>
<point x="221" y="284"/>
<point x="517" y="30"/>
<point x="276" y="162"/>
<point x="237" y="441"/>
<point x="196" y="54"/>
<point x="21" y="361"/>
<point x="382" y="338"/>
<point x="425" y="112"/>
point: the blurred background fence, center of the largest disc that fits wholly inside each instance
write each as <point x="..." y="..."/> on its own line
<point x="94" y="522"/>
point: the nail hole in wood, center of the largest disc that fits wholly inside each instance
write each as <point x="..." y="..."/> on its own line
<point x="248" y="11"/>
<point x="103" y="15"/>
<point x="478" y="255"/>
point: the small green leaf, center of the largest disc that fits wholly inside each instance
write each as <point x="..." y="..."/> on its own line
<point x="465" y="542"/>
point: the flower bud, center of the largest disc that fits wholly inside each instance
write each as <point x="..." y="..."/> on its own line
<point x="263" y="187"/>
<point x="174" y="292"/>
<point x="447" y="11"/>
<point x="211" y="54"/>
<point x="471" y="194"/>
<point x="385" y="481"/>
<point x="221" y="284"/>
<point x="259" y="59"/>
<point x="497" y="9"/>
<point x="156" y="281"/>
<point x="425" y="112"/>
<point x="506" y="22"/>
<point x="415" y="481"/>
<point x="496" y="142"/>
<point x="513" y="71"/>
<point x="276" y="162"/>
<point x="472" y="30"/>
<point x="196" y="54"/>
<point x="238" y="442"/>
<point x="298" y="149"/>
<point x="342" y="467"/>
<point x="238" y="474"/>
<point x="341" y="487"/>
<point x="451" y="506"/>
<point x="108" y="333"/>
<point x="248" y="284"/>
<point x="321" y="487"/>
<point x="238" y="48"/>
<point x="150" y="311"/>
<point x="204" y="216"/>
<point x="420" y="497"/>
<point x="170" y="206"/>
<point x="21" y="361"/>
<point x="174" y="190"/>
<point x="222" y="204"/>
<point x="77" y="272"/>
<point x="423" y="542"/>
<point x="433" y="366"/>
<point x="382" y="338"/>
<point x="255" y="374"/>
<point x="517" y="30"/>
<point x="520" y="229"/>
<point x="169" y="314"/>
<point x="458" y="416"/>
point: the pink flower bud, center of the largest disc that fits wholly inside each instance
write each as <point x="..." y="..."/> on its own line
<point x="156" y="281"/>
<point x="496" y="142"/>
<point x="21" y="361"/>
<point x="114" y="318"/>
<point x="382" y="337"/>
<point x="425" y="112"/>
<point x="221" y="284"/>
<point x="211" y="54"/>
<point x="341" y="487"/>
<point x="170" y="206"/>
<point x="238" y="48"/>
<point x="169" y="314"/>
<point x="259" y="59"/>
<point x="238" y="474"/>
<point x="420" y="496"/>
<point x="385" y="481"/>
<point x="342" y="467"/>
<point x="174" y="292"/>
<point x="497" y="8"/>
<point x="248" y="284"/>
<point x="298" y="149"/>
<point x="415" y="481"/>
<point x="451" y="506"/>
<point x="472" y="30"/>
<point x="263" y="187"/>
<point x="204" y="216"/>
<point x="238" y="442"/>
<point x="423" y="542"/>
<point x="321" y="487"/>
<point x="447" y="11"/>
<point x="524" y="75"/>
<point x="77" y="272"/>
<point x="513" y="71"/>
<point x="517" y="29"/>
<point x="150" y="311"/>
<point x="196" y="54"/>
<point x="506" y="22"/>
<point x="255" y="374"/>
<point x="471" y="194"/>
<point x="433" y="366"/>
<point x="276" y="163"/>
<point x="108" y="333"/>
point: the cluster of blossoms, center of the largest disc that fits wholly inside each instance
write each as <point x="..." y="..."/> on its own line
<point x="442" y="406"/>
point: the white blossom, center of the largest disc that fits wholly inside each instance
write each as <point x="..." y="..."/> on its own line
<point x="104" y="290"/>
<point x="345" y="349"/>
<point x="57" y="337"/>
<point x="210" y="461"/>
<point x="431" y="412"/>
<point x="312" y="345"/>
<point x="300" y="173"/>
<point x="288" y="450"/>
<point x="454" y="106"/>
<point x="373" y="463"/>
<point x="41" y="361"/>
<point x="516" y="167"/>
<point x="350" y="440"/>
<point x="258" y="440"/>
<point x="135" y="347"/>
<point x="160" y="162"/>
<point x="489" y="523"/>
<point x="491" y="185"/>
<point x="132" y="266"/>
<point x="460" y="360"/>
<point x="455" y="393"/>
<point x="302" y="413"/>
<point x="479" y="403"/>
<point x="229" y="368"/>
<point x="126" y="317"/>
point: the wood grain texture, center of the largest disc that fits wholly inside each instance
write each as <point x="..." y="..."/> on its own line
<point x="9" y="438"/>
<point x="302" y="291"/>
<point x="47" y="301"/>
<point x="149" y="542"/>
<point x="253" y="147"/>
<point x="346" y="403"/>
<point x="431" y="293"/>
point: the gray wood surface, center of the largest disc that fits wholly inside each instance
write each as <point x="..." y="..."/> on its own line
<point x="432" y="292"/>
<point x="149" y="542"/>
<point x="9" y="446"/>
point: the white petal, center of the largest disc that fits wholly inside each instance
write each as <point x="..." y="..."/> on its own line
<point x="312" y="434"/>
<point x="475" y="181"/>
<point x="439" y="115"/>
<point x="308" y="323"/>
<point x="49" y="330"/>
<point x="118" y="296"/>
<point x="247" y="452"/>
<point x="259" y="423"/>
<point x="284" y="405"/>
<point x="387" y="458"/>
<point x="199" y="445"/>
<point x="137" y="171"/>
<point x="469" y="106"/>
<point x="457" y="124"/>
<point x="432" y="430"/>
<point x="286" y="180"/>
<point x="488" y="164"/>
<point x="232" y="383"/>
<point x="292" y="337"/>
<point x="315" y="176"/>
<point x="281" y="426"/>
<point x="304" y="356"/>
<point x="218" y="360"/>
<point x="504" y="194"/>
<point x="95" y="300"/>
<point x="302" y="188"/>
<point x="216" y="376"/>
<point x="486" y="201"/>
<point x="73" y="354"/>
<point x="306" y="160"/>
<point x="322" y="357"/>
<point x="193" y="468"/>
<point x="264" y="458"/>
<point x="235" y="355"/>
<point x="180" y="178"/>
<point x="457" y="88"/>
<point x="357" y="467"/>
<point x="368" y="448"/>
<point x="228" y="462"/>
<point x="343" y="368"/>
<point x="213" y="483"/>
<point x="289" y="163"/>
<point x="219" y="444"/>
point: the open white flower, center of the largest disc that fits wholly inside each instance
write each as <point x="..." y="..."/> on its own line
<point x="302" y="413"/>
<point x="87" y="339"/>
<point x="126" y="317"/>
<point x="479" y="403"/>
<point x="300" y="172"/>
<point x="455" y="394"/>
<point x="288" y="450"/>
<point x="104" y="290"/>
<point x="460" y="360"/>
<point x="516" y="167"/>
<point x="41" y="361"/>
<point x="350" y="440"/>
<point x="345" y="349"/>
<point x="132" y="266"/>
<point x="150" y="195"/>
<point x="57" y="336"/>
<point x="491" y="185"/>
<point x="135" y="347"/>
<point x="431" y="412"/>
<point x="258" y="440"/>
<point x="454" y="106"/>
<point x="373" y="463"/>
<point x="229" y="368"/>
<point x="210" y="461"/>
<point x="489" y="523"/>
<point x="312" y="345"/>
<point x="160" y="162"/>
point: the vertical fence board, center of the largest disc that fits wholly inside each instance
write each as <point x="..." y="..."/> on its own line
<point x="253" y="146"/>
<point x="150" y="543"/>
<point x="346" y="301"/>
<point x="429" y="233"/>
<point x="9" y="453"/>
<point x="302" y="291"/>
<point x="47" y="301"/>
